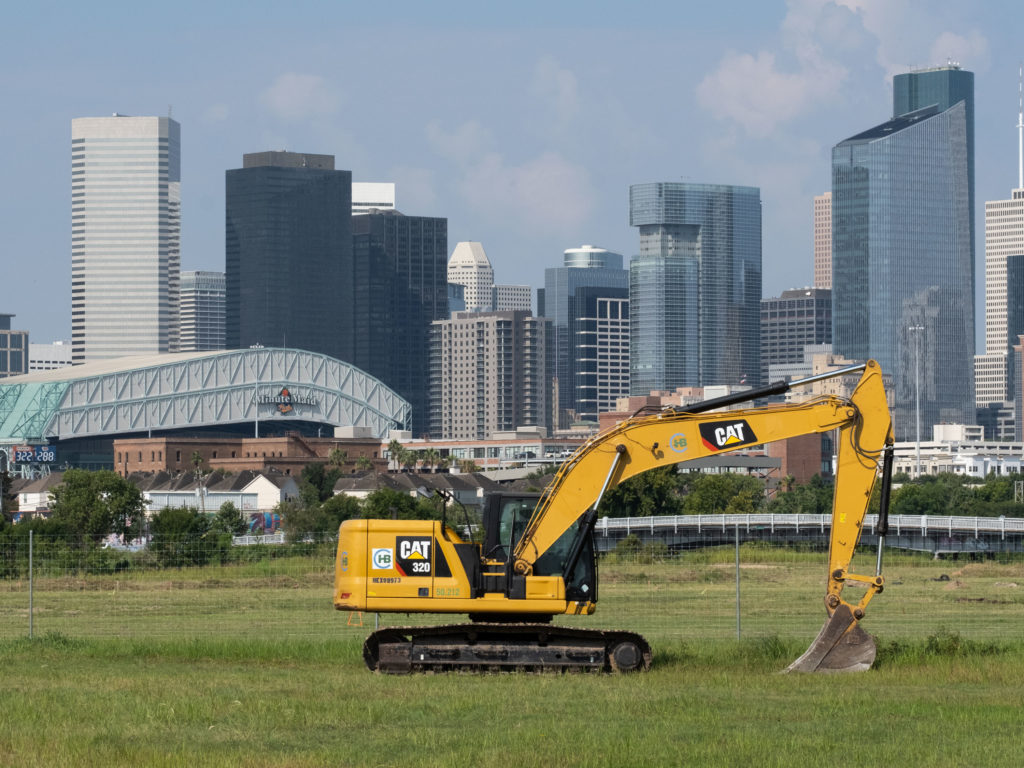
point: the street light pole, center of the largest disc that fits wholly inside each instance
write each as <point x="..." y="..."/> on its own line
<point x="916" y="329"/>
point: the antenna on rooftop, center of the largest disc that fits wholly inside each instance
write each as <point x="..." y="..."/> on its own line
<point x="1020" y="128"/>
<point x="170" y="108"/>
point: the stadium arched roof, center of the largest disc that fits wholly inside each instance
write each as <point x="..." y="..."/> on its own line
<point x="194" y="389"/>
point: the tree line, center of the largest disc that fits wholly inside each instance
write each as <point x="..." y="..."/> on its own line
<point x="666" y="491"/>
<point x="90" y="506"/>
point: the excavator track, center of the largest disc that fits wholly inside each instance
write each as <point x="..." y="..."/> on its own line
<point x="484" y="647"/>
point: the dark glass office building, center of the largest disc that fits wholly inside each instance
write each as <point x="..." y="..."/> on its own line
<point x="903" y="271"/>
<point x="695" y="286"/>
<point x="800" y="317"/>
<point x="570" y="301"/>
<point x="400" y="276"/>
<point x="941" y="87"/>
<point x="288" y="253"/>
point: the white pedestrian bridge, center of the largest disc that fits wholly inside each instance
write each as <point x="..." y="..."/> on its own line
<point x="938" y="534"/>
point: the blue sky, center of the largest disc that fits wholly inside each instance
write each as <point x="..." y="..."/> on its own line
<point x="523" y="124"/>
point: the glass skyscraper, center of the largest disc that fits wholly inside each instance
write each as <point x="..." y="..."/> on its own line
<point x="570" y="297"/>
<point x="400" y="273"/>
<point x="903" y="270"/>
<point x="695" y="286"/>
<point x="289" y="253"/>
<point x="125" y="236"/>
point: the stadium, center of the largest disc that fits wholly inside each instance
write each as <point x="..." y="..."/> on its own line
<point x="71" y="416"/>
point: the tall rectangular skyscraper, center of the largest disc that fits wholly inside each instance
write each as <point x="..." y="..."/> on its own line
<point x="572" y="294"/>
<point x="125" y="236"/>
<point x="695" y="286"/>
<point x="799" y="318"/>
<point x="489" y="373"/>
<point x="823" y="241"/>
<point x="400" y="275"/>
<point x="903" y="271"/>
<point x="289" y="253"/>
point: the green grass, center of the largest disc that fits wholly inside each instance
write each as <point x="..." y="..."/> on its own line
<point x="248" y="664"/>
<point x="108" y="702"/>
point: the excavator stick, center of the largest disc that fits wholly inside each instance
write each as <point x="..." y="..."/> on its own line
<point x="841" y="646"/>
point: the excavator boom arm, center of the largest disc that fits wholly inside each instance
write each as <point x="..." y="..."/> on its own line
<point x="677" y="436"/>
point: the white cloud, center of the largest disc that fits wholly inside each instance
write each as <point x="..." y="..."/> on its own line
<point x="905" y="38"/>
<point x="754" y="92"/>
<point x="415" y="189"/>
<point x="216" y="113"/>
<point x="463" y="144"/>
<point x="770" y="88"/>
<point x="556" y="88"/>
<point x="294" y="96"/>
<point x="547" y="194"/>
<point x="971" y="50"/>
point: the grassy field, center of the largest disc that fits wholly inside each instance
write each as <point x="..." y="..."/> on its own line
<point x="248" y="665"/>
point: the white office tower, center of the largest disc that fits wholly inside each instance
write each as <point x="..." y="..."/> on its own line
<point x="125" y="236"/>
<point x="371" y="195"/>
<point x="202" y="311"/>
<point x="49" y="357"/>
<point x="469" y="266"/>
<point x="1004" y="284"/>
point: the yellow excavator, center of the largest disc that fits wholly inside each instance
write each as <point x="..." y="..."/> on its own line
<point x="537" y="557"/>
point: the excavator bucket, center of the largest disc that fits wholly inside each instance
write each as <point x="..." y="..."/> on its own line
<point x="841" y="646"/>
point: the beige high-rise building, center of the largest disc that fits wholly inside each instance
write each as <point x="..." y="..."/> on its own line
<point x="823" y="241"/>
<point x="125" y="236"/>
<point x="489" y="372"/>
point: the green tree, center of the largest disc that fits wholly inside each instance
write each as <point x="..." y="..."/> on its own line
<point x="180" y="537"/>
<point x="95" y="504"/>
<point x="712" y="494"/>
<point x="655" y="492"/>
<point x="337" y="458"/>
<point x="340" y="508"/>
<point x="396" y="451"/>
<point x="811" y="498"/>
<point x="431" y="458"/>
<point x="387" y="503"/>
<point x="943" y="494"/>
<point x="229" y="520"/>
<point x="321" y="478"/>
<point x="364" y="464"/>
<point x="8" y="501"/>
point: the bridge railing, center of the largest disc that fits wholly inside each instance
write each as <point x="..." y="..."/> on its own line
<point x="898" y="524"/>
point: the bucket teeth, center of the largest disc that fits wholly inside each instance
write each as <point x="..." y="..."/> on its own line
<point x="841" y="646"/>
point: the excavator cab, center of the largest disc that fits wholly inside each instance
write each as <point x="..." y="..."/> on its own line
<point x="505" y="520"/>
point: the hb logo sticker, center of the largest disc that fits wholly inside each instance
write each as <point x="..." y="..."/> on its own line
<point x="383" y="558"/>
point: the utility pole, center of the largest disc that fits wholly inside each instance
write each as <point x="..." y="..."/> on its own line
<point x="916" y="330"/>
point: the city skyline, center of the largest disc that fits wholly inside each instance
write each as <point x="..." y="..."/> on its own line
<point x="529" y="151"/>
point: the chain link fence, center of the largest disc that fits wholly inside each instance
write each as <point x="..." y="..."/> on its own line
<point x="713" y="585"/>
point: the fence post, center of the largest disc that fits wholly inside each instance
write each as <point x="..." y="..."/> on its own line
<point x="30" y="584"/>
<point x="737" y="579"/>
